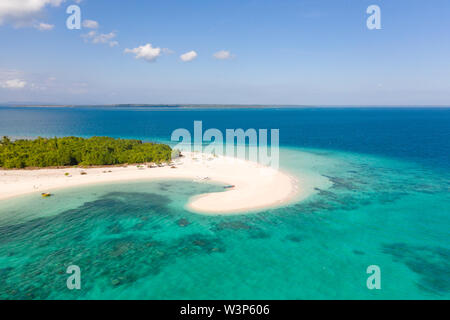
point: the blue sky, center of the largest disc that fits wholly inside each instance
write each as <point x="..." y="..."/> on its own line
<point x="301" y="52"/>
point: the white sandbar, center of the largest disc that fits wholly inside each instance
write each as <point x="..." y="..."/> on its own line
<point x="255" y="186"/>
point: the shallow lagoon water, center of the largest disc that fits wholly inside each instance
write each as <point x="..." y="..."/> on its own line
<point x="136" y="240"/>
<point x="382" y="182"/>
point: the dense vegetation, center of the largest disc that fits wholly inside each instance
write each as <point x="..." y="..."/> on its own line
<point x="72" y="151"/>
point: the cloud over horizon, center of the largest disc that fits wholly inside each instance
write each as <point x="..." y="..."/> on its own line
<point x="90" y="24"/>
<point x="23" y="13"/>
<point x="223" y="55"/>
<point x="44" y="26"/>
<point x="101" y="38"/>
<point x="13" y="84"/>
<point x="188" y="56"/>
<point x="146" y="52"/>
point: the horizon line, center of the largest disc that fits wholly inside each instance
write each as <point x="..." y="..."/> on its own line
<point x="217" y="105"/>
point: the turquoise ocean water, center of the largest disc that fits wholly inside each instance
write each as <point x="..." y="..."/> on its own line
<point x="386" y="204"/>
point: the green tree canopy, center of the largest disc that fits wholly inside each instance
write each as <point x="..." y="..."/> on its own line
<point x="71" y="151"/>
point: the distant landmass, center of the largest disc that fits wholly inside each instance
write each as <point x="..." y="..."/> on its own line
<point x="221" y="106"/>
<point x="203" y="106"/>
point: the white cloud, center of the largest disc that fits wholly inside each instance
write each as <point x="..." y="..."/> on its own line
<point x="24" y="12"/>
<point x="101" y="38"/>
<point x="223" y="55"/>
<point x="44" y="26"/>
<point x="146" y="52"/>
<point x="90" y="24"/>
<point x="188" y="56"/>
<point x="13" y="84"/>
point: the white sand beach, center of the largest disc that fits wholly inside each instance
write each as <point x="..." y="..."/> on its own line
<point x="255" y="186"/>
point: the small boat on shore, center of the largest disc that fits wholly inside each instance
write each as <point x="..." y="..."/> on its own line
<point x="46" y="195"/>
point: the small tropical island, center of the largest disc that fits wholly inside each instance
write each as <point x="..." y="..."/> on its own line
<point x="75" y="151"/>
<point x="45" y="165"/>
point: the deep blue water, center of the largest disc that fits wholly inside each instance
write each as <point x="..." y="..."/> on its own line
<point x="419" y="134"/>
